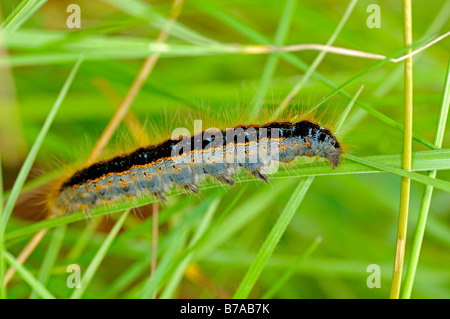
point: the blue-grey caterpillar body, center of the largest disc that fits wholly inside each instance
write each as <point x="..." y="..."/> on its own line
<point x="154" y="169"/>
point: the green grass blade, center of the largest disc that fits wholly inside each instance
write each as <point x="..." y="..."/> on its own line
<point x="144" y="11"/>
<point x="405" y="186"/>
<point x="99" y="256"/>
<point x="23" y="5"/>
<point x="395" y="76"/>
<point x="253" y="273"/>
<point x="21" y="14"/>
<point x="423" y="161"/>
<point x="50" y="257"/>
<point x="127" y="277"/>
<point x="154" y="283"/>
<point x="284" y="104"/>
<point x="367" y="70"/>
<point x="216" y="235"/>
<point x="26" y="167"/>
<point x="216" y="223"/>
<point x="241" y="216"/>
<point x="142" y="266"/>
<point x="242" y="28"/>
<point x="177" y="275"/>
<point x="28" y="277"/>
<point x="213" y="9"/>
<point x="198" y="244"/>
<point x="428" y="193"/>
<point x="273" y="59"/>
<point x="2" y="239"/>
<point x="340" y="122"/>
<point x="437" y="161"/>
<point x="291" y="270"/>
<point x="168" y="265"/>
<point x="442" y="185"/>
<point x="83" y="240"/>
<point x="277" y="231"/>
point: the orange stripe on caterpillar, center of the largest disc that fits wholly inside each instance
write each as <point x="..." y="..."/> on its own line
<point x="186" y="161"/>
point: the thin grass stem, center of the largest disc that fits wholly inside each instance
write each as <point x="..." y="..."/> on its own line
<point x="98" y="258"/>
<point x="428" y="193"/>
<point x="2" y="239"/>
<point x="407" y="156"/>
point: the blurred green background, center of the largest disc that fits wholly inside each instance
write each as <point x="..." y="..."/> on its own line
<point x="355" y="215"/>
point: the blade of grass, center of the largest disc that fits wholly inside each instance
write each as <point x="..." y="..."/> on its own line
<point x="291" y="270"/>
<point x="21" y="14"/>
<point x="104" y="47"/>
<point x="176" y="276"/>
<point x="280" y="226"/>
<point x="253" y="273"/>
<point x="284" y="104"/>
<point x="140" y="268"/>
<point x="17" y="11"/>
<point x="25" y="253"/>
<point x="363" y="72"/>
<point x="240" y="217"/>
<point x="423" y="161"/>
<point x="154" y="284"/>
<point x="320" y="267"/>
<point x="198" y="245"/>
<point x="273" y="59"/>
<point x="143" y="10"/>
<point x="210" y="229"/>
<point x="83" y="240"/>
<point x="378" y="114"/>
<point x="130" y="275"/>
<point x="28" y="277"/>
<point x="428" y="193"/>
<point x="250" y="33"/>
<point x="163" y="271"/>
<point x="155" y="231"/>
<point x="136" y="86"/>
<point x="217" y="235"/>
<point x="407" y="157"/>
<point x="2" y="241"/>
<point x="437" y="162"/>
<point x="12" y="131"/>
<point x="340" y="122"/>
<point x="99" y="256"/>
<point x="435" y="27"/>
<point x="50" y="257"/>
<point x="437" y="183"/>
<point x="26" y="167"/>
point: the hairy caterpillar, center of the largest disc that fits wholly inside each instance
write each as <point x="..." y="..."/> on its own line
<point x="185" y="161"/>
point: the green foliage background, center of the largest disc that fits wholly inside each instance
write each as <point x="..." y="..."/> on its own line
<point x="218" y="233"/>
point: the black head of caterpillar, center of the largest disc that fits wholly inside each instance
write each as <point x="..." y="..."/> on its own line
<point x="154" y="169"/>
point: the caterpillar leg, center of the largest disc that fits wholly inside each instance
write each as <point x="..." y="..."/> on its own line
<point x="88" y="215"/>
<point x="161" y="196"/>
<point x="258" y="174"/>
<point x="223" y="178"/>
<point x="192" y="188"/>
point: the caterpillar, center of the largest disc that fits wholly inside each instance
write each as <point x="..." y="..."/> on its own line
<point x="185" y="161"/>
